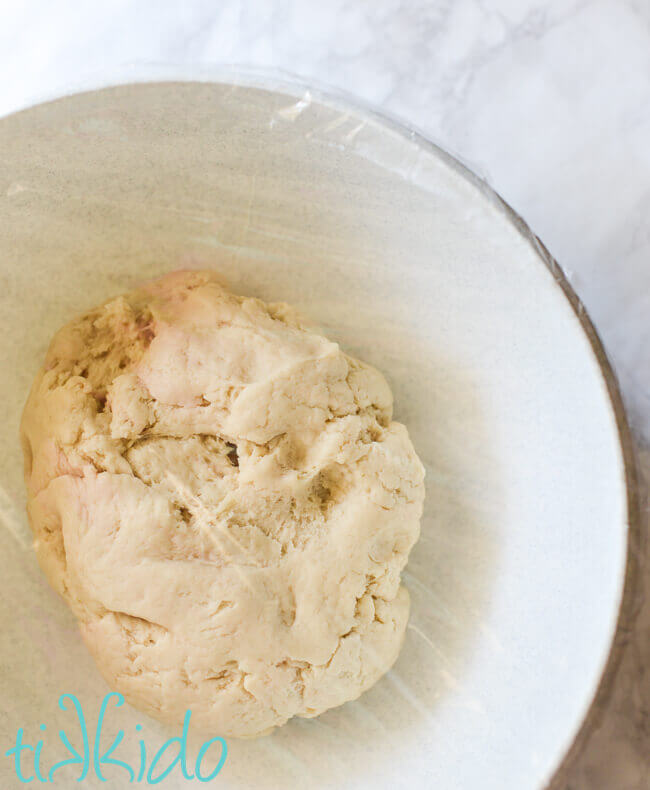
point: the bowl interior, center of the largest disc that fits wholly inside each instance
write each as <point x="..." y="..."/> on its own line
<point x="411" y="265"/>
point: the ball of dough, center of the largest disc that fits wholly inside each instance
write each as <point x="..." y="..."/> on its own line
<point x="221" y="496"/>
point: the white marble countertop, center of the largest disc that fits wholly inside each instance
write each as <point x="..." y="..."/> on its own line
<point x="549" y="100"/>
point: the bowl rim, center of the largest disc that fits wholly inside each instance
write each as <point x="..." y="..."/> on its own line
<point x="308" y="90"/>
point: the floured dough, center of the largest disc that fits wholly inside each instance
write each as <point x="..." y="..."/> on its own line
<point x="220" y="495"/>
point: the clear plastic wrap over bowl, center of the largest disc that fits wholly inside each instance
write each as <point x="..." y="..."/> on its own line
<point x="413" y="265"/>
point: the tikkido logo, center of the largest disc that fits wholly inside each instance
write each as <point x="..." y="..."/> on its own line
<point x="95" y="759"/>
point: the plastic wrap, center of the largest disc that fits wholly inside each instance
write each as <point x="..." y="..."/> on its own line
<point x="414" y="265"/>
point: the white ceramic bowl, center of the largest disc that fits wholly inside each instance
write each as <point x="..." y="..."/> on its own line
<point x="415" y="265"/>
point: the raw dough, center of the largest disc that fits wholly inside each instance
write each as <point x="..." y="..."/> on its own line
<point x="220" y="495"/>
